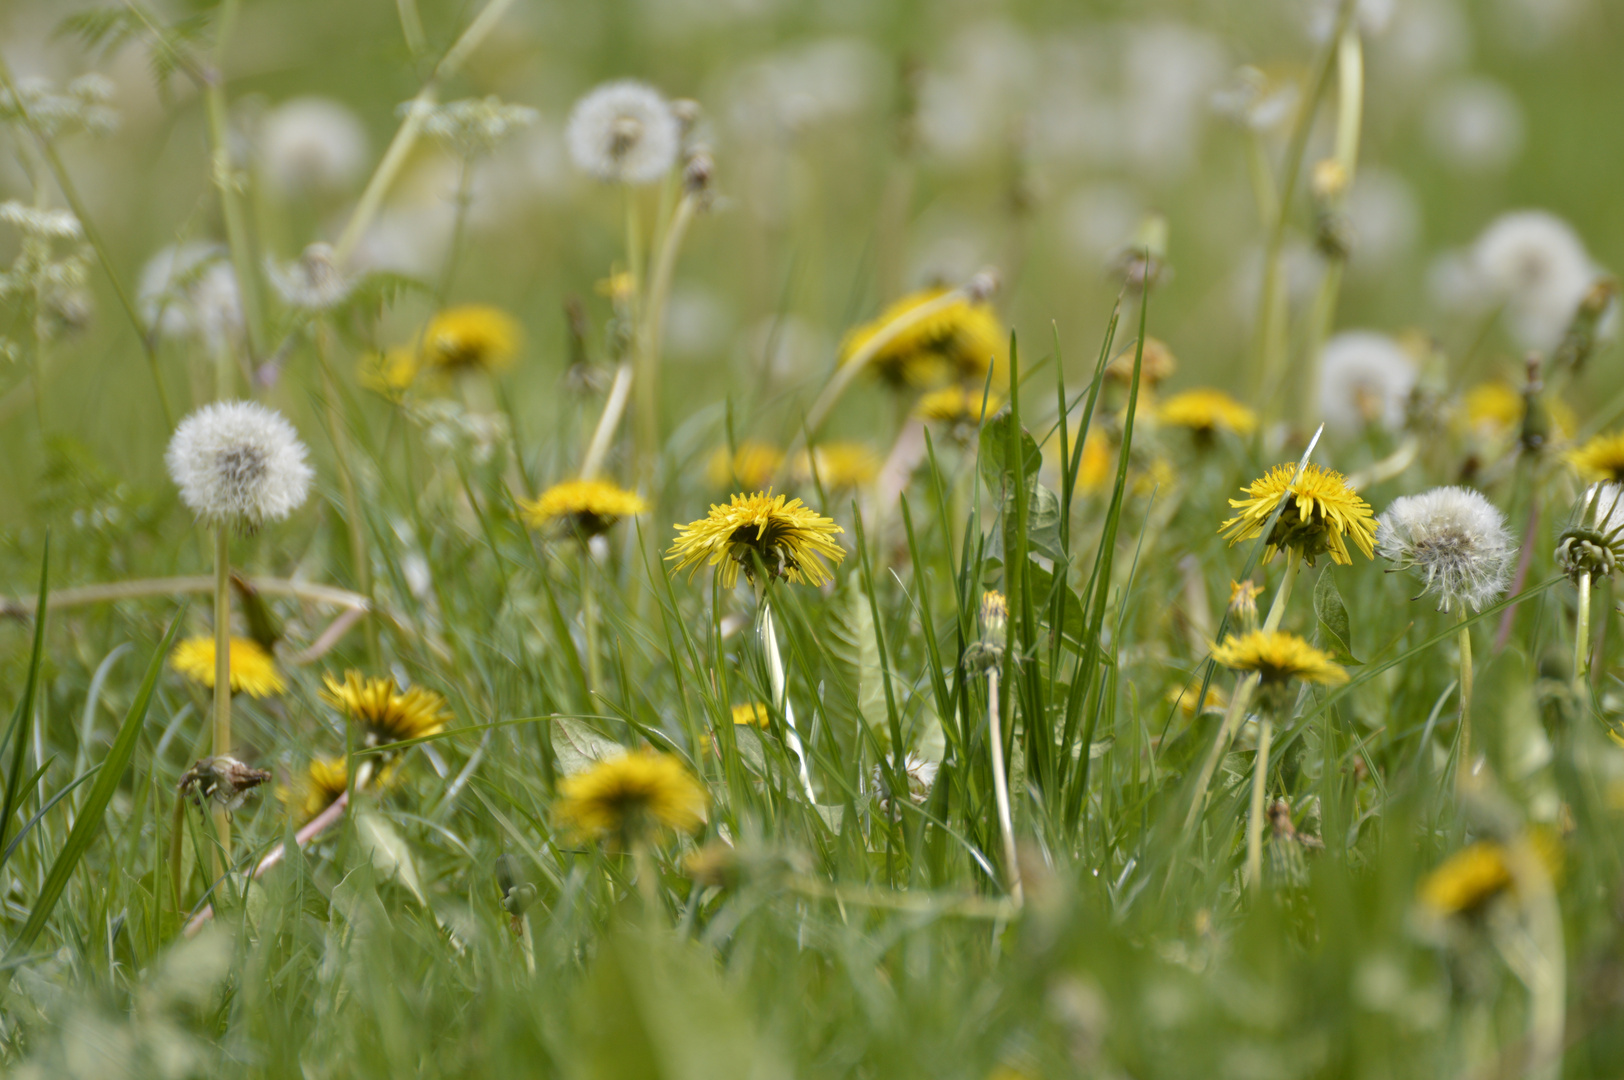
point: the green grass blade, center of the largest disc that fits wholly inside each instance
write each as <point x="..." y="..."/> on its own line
<point x="17" y="731"/>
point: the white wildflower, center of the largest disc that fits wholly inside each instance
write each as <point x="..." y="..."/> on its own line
<point x="239" y="463"/>
<point x="81" y="106"/>
<point x="1475" y="125"/>
<point x="1454" y="539"/>
<point x="190" y="290"/>
<point x="312" y="144"/>
<point x="46" y="224"/>
<point x="1535" y="264"/>
<point x="312" y="282"/>
<point x="451" y="429"/>
<point x="1365" y="378"/>
<point x="474" y="126"/>
<point x="624" y="131"/>
<point x="1254" y="101"/>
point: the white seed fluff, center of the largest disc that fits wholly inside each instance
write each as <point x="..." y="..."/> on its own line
<point x="1454" y="539"/>
<point x="1365" y="378"/>
<point x="624" y="131"/>
<point x="190" y="290"/>
<point x="239" y="463"/>
<point x="1536" y="264"/>
<point x="312" y="144"/>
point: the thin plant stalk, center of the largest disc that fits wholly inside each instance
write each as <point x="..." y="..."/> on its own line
<point x="231" y="210"/>
<point x="221" y="727"/>
<point x="589" y="621"/>
<point x="1463" y="768"/>
<point x="1581" y="639"/>
<point x="1254" y="820"/>
<point x="613" y="409"/>
<point x="776" y="683"/>
<point x="651" y="330"/>
<point x="1000" y="786"/>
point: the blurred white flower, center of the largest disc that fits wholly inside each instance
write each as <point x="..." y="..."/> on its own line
<point x="239" y="463"/>
<point x="190" y="290"/>
<point x="788" y="91"/>
<point x="1534" y="263"/>
<point x="312" y="144"/>
<point x="625" y="132"/>
<point x="1365" y="378"/>
<point x="1169" y="71"/>
<point x="988" y="75"/>
<point x="1427" y="37"/>
<point x="1454" y="539"/>
<point x="473" y="126"/>
<point x="1252" y="100"/>
<point x="311" y="282"/>
<point x="1454" y="285"/>
<point x="696" y="323"/>
<point x="1533" y="25"/>
<point x="1385" y="216"/>
<point x="1475" y="125"/>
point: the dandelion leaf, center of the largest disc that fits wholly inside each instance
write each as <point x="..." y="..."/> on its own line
<point x="1332" y="614"/>
<point x="579" y="746"/>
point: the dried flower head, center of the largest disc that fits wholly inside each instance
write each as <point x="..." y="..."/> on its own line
<point x="1278" y="657"/>
<point x="962" y="341"/>
<point x="1206" y="412"/>
<point x="1365" y="378"/>
<point x="837" y="465"/>
<point x="382" y="712"/>
<point x="223" y="779"/>
<point x="630" y="796"/>
<point x="789" y="539"/>
<point x="751" y="714"/>
<point x="253" y="670"/>
<point x="1454" y="539"/>
<point x="624" y="132"/>
<point x="1593" y="542"/>
<point x="585" y="507"/>
<point x="1321" y="513"/>
<point x="312" y="144"/>
<point x="471" y="337"/>
<point x="239" y="463"/>
<point x="751" y="465"/>
<point x="958" y="406"/>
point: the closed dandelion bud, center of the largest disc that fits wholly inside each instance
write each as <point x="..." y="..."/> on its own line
<point x="1243" y="603"/>
<point x="1593" y="542"/>
<point x="1333" y="234"/>
<point x="1330" y="180"/>
<point x="994" y="617"/>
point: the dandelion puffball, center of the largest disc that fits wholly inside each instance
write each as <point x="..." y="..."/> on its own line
<point x="1365" y="378"/>
<point x="237" y="462"/>
<point x="1454" y="539"/>
<point x="312" y="144"/>
<point x="1536" y="264"/>
<point x="190" y="289"/>
<point x="624" y="131"/>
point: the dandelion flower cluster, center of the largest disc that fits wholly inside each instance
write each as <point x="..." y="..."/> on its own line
<point x="630" y="795"/>
<point x="1454" y="539"/>
<point x="587" y="507"/>
<point x="1207" y="412"/>
<point x="471" y="337"/>
<point x="382" y="712"/>
<point x="624" y="132"/>
<point x="253" y="670"/>
<point x="1277" y="657"/>
<point x="1322" y="512"/>
<point x="239" y="463"/>
<point x="788" y="538"/>
<point x="962" y="341"/>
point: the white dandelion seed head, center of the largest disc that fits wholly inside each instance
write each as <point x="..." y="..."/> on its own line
<point x="1475" y="125"/>
<point x="239" y="463"/>
<point x="312" y="282"/>
<point x="624" y="132"/>
<point x="312" y="144"/>
<point x="1454" y="539"/>
<point x="190" y="290"/>
<point x="1365" y="378"/>
<point x="1536" y="264"/>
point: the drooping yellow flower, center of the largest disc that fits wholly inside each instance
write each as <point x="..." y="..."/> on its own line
<point x="1321" y="513"/>
<point x="471" y="337"/>
<point x="1278" y="657"/>
<point x="961" y="341"/>
<point x="957" y="406"/>
<point x="752" y="465"/>
<point x="253" y="670"/>
<point x="630" y="795"/>
<point x="838" y="465"/>
<point x="390" y="372"/>
<point x="1207" y="411"/>
<point x="1602" y="458"/>
<point x="790" y="540"/>
<point x="1479" y="872"/>
<point x="753" y="714"/>
<point x="384" y="714"/>
<point x="588" y="507"/>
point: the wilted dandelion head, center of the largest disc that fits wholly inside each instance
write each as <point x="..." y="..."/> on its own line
<point x="837" y="465"/>
<point x="1593" y="542"/>
<point x="253" y="670"/>
<point x="1322" y="512"/>
<point x="1278" y="657"/>
<point x="1602" y="458"/>
<point x="1206" y="412"/>
<point x="958" y="406"/>
<point x="624" y="132"/>
<point x="752" y="464"/>
<point x="961" y="341"/>
<point x="993" y="616"/>
<point x="312" y="144"/>
<point x="585" y="507"/>
<point x="1534" y="263"/>
<point x="1365" y="378"/>
<point x="382" y="712"/>
<point x="1454" y="539"/>
<point x="1243" y="601"/>
<point x="789" y="539"/>
<point x="239" y="463"/>
<point x="630" y="796"/>
<point x="471" y="337"/>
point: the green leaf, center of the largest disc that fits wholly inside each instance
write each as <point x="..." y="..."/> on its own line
<point x="388" y="851"/>
<point x="1333" y="620"/>
<point x="23" y="717"/>
<point x="1043" y="524"/>
<point x="578" y="746"/>
<point x="996" y="470"/>
<point x="89" y="821"/>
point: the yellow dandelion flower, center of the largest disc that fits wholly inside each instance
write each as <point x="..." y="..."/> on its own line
<point x="1278" y="657"/>
<point x="1479" y="872"/>
<point x="382" y="712"/>
<point x="620" y="287"/>
<point x="1097" y="467"/>
<point x="1602" y="458"/>
<point x="752" y="465"/>
<point x="753" y="714"/>
<point x="632" y="794"/>
<point x="961" y="341"/>
<point x="957" y="405"/>
<point x="788" y="537"/>
<point x="1217" y="701"/>
<point x="253" y="670"/>
<point x="1322" y="511"/>
<point x="1207" y="411"/>
<point x="1496" y="409"/>
<point x="1156" y="366"/>
<point x="390" y="372"/>
<point x="839" y="465"/>
<point x="588" y="507"/>
<point x="320" y="786"/>
<point x="470" y="337"/>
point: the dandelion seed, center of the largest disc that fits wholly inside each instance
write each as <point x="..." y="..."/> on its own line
<point x="1206" y="412"/>
<point x="1321" y="513"/>
<point x="1365" y="378"/>
<point x="1278" y="657"/>
<point x="751" y="465"/>
<point x="787" y="538"/>
<point x="629" y="796"/>
<point x="253" y="670"/>
<point x="837" y="465"/>
<point x="312" y="144"/>
<point x="471" y="337"/>
<point x="382" y="711"/>
<point x="586" y="507"/>
<point x="624" y="132"/>
<point x="1454" y="539"/>
<point x="962" y="341"/>
<point x="239" y="463"/>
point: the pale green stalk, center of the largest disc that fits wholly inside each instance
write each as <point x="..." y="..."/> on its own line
<point x="221" y="728"/>
<point x="776" y="682"/>
<point x="1463" y="767"/>
<point x="355" y="517"/>
<point x="1581" y="641"/>
<point x="1254" y="820"/>
<point x="1000" y="787"/>
<point x="242" y="257"/>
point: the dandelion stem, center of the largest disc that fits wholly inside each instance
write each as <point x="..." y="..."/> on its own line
<point x="222" y="676"/>
<point x="649" y="338"/>
<point x="776" y="682"/>
<point x="1254" y="820"/>
<point x="1581" y="639"/>
<point x="1277" y="606"/>
<point x="613" y="409"/>
<point x="589" y="620"/>
<point x="1463" y="767"/>
<point x="1544" y="971"/>
<point x="1000" y="786"/>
